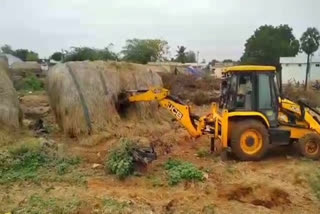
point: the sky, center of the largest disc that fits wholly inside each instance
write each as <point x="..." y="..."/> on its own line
<point x="217" y="29"/>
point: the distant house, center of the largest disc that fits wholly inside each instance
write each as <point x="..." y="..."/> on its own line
<point x="294" y="68"/>
<point x="218" y="67"/>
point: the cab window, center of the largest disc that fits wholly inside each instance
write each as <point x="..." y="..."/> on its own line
<point x="264" y="98"/>
<point x="244" y="92"/>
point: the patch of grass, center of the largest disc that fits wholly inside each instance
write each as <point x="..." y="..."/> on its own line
<point x="21" y="163"/>
<point x="156" y="181"/>
<point x="203" y="153"/>
<point x="314" y="182"/>
<point x="231" y="169"/>
<point x="63" y="165"/>
<point x="29" y="162"/>
<point x="6" y="138"/>
<point x="111" y="205"/>
<point x="37" y="204"/>
<point x="179" y="171"/>
<point x="120" y="160"/>
<point x="209" y="209"/>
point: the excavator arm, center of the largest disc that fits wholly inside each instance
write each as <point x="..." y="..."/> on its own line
<point x="300" y="115"/>
<point x="179" y="110"/>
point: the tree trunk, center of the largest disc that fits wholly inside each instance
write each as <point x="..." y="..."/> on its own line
<point x="307" y="73"/>
<point x="279" y="78"/>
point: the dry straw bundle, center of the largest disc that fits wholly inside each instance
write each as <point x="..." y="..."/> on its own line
<point x="84" y="95"/>
<point x="10" y="114"/>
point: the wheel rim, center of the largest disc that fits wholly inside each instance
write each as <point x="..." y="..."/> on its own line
<point x="251" y="141"/>
<point x="312" y="148"/>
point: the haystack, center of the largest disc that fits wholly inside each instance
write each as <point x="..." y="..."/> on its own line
<point x="4" y="61"/>
<point x="4" y="64"/>
<point x="84" y="95"/>
<point x="24" y="69"/>
<point x="10" y="114"/>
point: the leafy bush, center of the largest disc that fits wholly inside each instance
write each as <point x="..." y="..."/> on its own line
<point x="32" y="83"/>
<point x="120" y="160"/>
<point x="64" y="165"/>
<point x="178" y="171"/>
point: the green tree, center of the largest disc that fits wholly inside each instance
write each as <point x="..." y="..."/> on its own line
<point x="309" y="44"/>
<point x="23" y="54"/>
<point x="32" y="56"/>
<point x="86" y="53"/>
<point x="181" y="54"/>
<point x="213" y="62"/>
<point x="145" y="50"/>
<point x="57" y="56"/>
<point x="268" y="44"/>
<point x="190" y="57"/>
<point x="227" y="61"/>
<point x="26" y="55"/>
<point x="7" y="49"/>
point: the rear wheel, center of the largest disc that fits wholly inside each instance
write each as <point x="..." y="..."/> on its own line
<point x="309" y="146"/>
<point x="249" y="140"/>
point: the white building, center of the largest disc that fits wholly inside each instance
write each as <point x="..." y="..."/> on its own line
<point x="219" y="67"/>
<point x="294" y="68"/>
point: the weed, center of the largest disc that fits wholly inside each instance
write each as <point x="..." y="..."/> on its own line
<point x="314" y="182"/>
<point x="6" y="138"/>
<point x="231" y="169"/>
<point x="209" y="209"/>
<point x="36" y="204"/>
<point x="120" y="160"/>
<point x="27" y="161"/>
<point x="156" y="181"/>
<point x="111" y="205"/>
<point x="21" y="163"/>
<point x="179" y="170"/>
<point x="64" y="165"/>
<point x="32" y="83"/>
<point x="202" y="153"/>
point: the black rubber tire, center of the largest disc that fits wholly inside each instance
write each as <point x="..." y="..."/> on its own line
<point x="302" y="143"/>
<point x="238" y="129"/>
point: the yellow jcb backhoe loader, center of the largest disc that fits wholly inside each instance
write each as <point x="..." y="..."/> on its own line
<point x="250" y="116"/>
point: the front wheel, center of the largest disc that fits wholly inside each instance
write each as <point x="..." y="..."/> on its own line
<point x="249" y="140"/>
<point x="309" y="146"/>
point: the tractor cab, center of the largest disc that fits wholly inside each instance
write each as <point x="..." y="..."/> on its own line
<point x="251" y="88"/>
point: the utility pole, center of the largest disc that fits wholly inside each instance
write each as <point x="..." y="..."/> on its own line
<point x="197" y="57"/>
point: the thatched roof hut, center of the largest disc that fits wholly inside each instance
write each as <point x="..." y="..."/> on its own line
<point x="84" y="95"/>
<point x="10" y="113"/>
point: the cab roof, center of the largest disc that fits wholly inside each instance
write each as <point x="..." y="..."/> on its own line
<point x="250" y="68"/>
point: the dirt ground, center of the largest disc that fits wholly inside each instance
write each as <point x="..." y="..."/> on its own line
<point x="278" y="184"/>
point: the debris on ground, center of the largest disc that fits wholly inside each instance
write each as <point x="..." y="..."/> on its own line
<point x="199" y="90"/>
